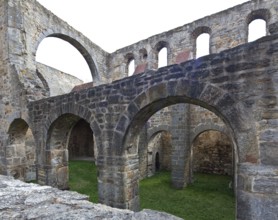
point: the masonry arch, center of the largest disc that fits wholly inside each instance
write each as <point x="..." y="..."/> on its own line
<point x="184" y="91"/>
<point x="205" y="127"/>
<point x="59" y="137"/>
<point x="21" y="151"/>
<point x="57" y="58"/>
<point x="162" y="54"/>
<point x="200" y="37"/>
<point x="159" y="150"/>
<point x="143" y="54"/>
<point x="152" y="131"/>
<point x="260" y="18"/>
<point x="79" y="46"/>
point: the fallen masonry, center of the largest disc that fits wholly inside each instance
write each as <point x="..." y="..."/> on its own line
<point x="21" y="200"/>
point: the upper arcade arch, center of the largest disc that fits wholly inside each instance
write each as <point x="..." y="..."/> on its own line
<point x="79" y="46"/>
<point x="161" y="53"/>
<point x="33" y="24"/>
<point x="260" y="29"/>
<point x="199" y="37"/>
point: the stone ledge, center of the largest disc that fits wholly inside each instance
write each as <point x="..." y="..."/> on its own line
<point x="21" y="200"/>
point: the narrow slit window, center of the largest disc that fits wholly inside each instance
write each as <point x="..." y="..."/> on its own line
<point x="131" y="67"/>
<point x="162" y="57"/>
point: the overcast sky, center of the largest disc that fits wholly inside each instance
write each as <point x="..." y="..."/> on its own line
<point x="113" y="24"/>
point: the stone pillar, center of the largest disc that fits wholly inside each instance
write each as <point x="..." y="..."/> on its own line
<point x="57" y="172"/>
<point x="257" y="194"/>
<point x="118" y="181"/>
<point x="143" y="153"/>
<point x="181" y="146"/>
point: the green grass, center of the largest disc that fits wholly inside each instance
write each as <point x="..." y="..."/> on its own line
<point x="83" y="178"/>
<point x="209" y="198"/>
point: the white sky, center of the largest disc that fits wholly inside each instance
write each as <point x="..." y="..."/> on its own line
<point x="113" y="24"/>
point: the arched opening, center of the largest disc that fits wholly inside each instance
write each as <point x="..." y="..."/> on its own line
<point x="70" y="146"/>
<point x="143" y="54"/>
<point x="202" y="45"/>
<point x="131" y="67"/>
<point x="61" y="55"/>
<point x="157" y="162"/>
<point x="129" y="64"/>
<point x="159" y="151"/>
<point x="256" y="29"/>
<point x="21" y="152"/>
<point x="81" y="144"/>
<point x="163" y="57"/>
<point x="182" y="118"/>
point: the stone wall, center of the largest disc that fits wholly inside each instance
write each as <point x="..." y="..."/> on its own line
<point x="213" y="153"/>
<point x="118" y="111"/>
<point x="20" y="200"/>
<point x="226" y="29"/>
<point x="238" y="85"/>
<point x="55" y="81"/>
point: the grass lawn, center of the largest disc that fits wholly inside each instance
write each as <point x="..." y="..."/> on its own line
<point x="208" y="198"/>
<point x="83" y="178"/>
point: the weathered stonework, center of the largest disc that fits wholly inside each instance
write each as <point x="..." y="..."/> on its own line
<point x="213" y="153"/>
<point x="55" y="81"/>
<point x="20" y="200"/>
<point x="236" y="86"/>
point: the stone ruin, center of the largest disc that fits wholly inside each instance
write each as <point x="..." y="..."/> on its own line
<point x="182" y="117"/>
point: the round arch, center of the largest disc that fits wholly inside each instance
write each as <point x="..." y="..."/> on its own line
<point x="206" y="127"/>
<point x="21" y="149"/>
<point x="150" y="101"/>
<point x="79" y="46"/>
<point x="56" y="151"/>
<point x="60" y="121"/>
<point x="156" y="129"/>
<point x="263" y="14"/>
<point x="196" y="33"/>
<point x="159" y="143"/>
<point x="169" y="93"/>
<point x="157" y="48"/>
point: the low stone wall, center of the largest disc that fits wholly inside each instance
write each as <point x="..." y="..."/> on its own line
<point x="21" y="200"/>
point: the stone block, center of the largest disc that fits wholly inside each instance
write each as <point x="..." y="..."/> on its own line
<point x="265" y="185"/>
<point x="269" y="153"/>
<point x="62" y="177"/>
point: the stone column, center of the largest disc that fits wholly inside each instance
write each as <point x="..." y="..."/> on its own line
<point x="257" y="195"/>
<point x="118" y="181"/>
<point x="181" y="146"/>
